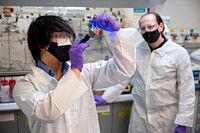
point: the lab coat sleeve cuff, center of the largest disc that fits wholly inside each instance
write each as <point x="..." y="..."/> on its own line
<point x="185" y="120"/>
<point x="112" y="93"/>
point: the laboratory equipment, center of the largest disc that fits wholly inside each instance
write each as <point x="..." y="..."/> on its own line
<point x="195" y="57"/>
<point x="12" y="83"/>
<point x="5" y="95"/>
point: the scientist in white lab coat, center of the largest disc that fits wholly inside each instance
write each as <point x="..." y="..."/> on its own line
<point x="57" y="97"/>
<point x="163" y="85"/>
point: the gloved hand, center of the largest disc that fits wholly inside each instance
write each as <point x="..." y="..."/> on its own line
<point x="105" y="22"/>
<point x="98" y="99"/>
<point x="76" y="54"/>
<point x="180" y="129"/>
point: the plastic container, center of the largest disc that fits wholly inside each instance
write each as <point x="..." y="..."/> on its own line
<point x="12" y="83"/>
<point x="5" y="95"/>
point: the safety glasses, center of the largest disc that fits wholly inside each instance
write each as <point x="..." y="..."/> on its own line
<point x="62" y="38"/>
<point x="149" y="28"/>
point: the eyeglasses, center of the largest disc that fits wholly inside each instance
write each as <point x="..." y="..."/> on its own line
<point x="150" y="27"/>
<point x="60" y="35"/>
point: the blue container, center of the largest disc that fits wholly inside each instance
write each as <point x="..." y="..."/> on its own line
<point x="196" y="74"/>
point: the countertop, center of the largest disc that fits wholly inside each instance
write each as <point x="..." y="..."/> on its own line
<point x="8" y="106"/>
<point x="13" y="105"/>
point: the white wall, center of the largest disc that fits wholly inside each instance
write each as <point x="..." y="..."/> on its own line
<point x="183" y="13"/>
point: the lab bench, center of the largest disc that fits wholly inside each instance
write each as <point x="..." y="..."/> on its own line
<point x="113" y="117"/>
<point x="191" y="46"/>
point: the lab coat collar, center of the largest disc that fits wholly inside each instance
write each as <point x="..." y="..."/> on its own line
<point x="49" y="71"/>
<point x="165" y="48"/>
<point x="162" y="50"/>
<point x="45" y="68"/>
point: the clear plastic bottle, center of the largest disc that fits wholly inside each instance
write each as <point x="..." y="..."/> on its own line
<point x="5" y="90"/>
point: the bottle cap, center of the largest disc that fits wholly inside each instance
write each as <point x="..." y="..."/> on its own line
<point x="12" y="81"/>
<point x="4" y="81"/>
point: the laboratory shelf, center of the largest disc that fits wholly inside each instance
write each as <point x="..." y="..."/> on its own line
<point x="13" y="73"/>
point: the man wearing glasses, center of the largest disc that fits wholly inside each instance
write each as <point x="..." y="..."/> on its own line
<point x="56" y="96"/>
<point x="163" y="86"/>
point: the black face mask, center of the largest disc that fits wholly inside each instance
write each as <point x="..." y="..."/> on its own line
<point x="152" y="36"/>
<point x="60" y="52"/>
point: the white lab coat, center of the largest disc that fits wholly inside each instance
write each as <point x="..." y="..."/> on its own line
<point x="67" y="105"/>
<point x="163" y="89"/>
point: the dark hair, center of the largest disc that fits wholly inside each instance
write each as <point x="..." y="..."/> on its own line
<point x="158" y="19"/>
<point x="40" y="30"/>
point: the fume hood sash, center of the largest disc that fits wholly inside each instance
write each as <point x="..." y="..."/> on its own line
<point x="85" y="3"/>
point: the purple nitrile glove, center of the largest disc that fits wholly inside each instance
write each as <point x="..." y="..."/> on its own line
<point x="180" y="129"/>
<point x="105" y="22"/>
<point x="98" y="99"/>
<point x="76" y="54"/>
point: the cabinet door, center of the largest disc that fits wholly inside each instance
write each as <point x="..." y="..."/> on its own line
<point x="23" y="123"/>
<point x="105" y="118"/>
<point x="121" y="116"/>
<point x="8" y="122"/>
